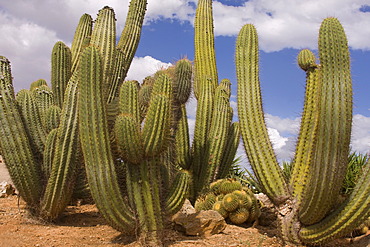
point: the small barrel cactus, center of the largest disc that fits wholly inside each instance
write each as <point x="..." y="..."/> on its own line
<point x="231" y="200"/>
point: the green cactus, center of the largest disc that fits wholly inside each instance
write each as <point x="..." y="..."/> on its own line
<point x="239" y="216"/>
<point x="140" y="147"/>
<point x="41" y="162"/>
<point x="233" y="201"/>
<point x="216" y="138"/>
<point x="309" y="209"/>
<point x="230" y="202"/>
<point x="133" y="133"/>
<point x="61" y="65"/>
<point x="218" y="206"/>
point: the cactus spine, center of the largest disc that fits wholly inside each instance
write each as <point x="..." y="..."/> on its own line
<point x="323" y="143"/>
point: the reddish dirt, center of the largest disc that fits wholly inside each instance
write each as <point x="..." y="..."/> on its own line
<point x="83" y="226"/>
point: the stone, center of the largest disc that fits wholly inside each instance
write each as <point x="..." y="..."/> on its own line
<point x="203" y="223"/>
<point x="6" y="189"/>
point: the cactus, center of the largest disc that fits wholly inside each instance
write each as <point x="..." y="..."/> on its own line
<point x="309" y="209"/>
<point x="215" y="136"/>
<point x="41" y="161"/>
<point x="141" y="149"/>
<point x="233" y="202"/>
<point x="44" y="122"/>
<point x="133" y="129"/>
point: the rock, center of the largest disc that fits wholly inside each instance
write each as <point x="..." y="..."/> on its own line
<point x="186" y="209"/>
<point x="6" y="189"/>
<point x="268" y="211"/>
<point x="203" y="223"/>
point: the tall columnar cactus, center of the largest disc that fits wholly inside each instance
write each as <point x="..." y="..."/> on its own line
<point x="61" y="65"/>
<point x="213" y="134"/>
<point x="140" y="147"/>
<point x="309" y="210"/>
<point x="41" y="162"/>
<point x="39" y="138"/>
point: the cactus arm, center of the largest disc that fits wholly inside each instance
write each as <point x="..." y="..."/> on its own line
<point x="52" y="118"/>
<point x="61" y="64"/>
<point x="345" y="218"/>
<point x="60" y="185"/>
<point x="252" y="123"/>
<point x="95" y="142"/>
<point x="32" y="121"/>
<point x="128" y="100"/>
<point x="182" y="140"/>
<point x="14" y="142"/>
<point x="308" y="131"/>
<point x="230" y="150"/>
<point x="117" y="76"/>
<point x="104" y="38"/>
<point x="129" y="138"/>
<point x="81" y="39"/>
<point x="200" y="141"/>
<point x="44" y="98"/>
<point x="49" y="152"/>
<point x="182" y="81"/>
<point x="155" y="131"/>
<point x="333" y="137"/>
<point x="218" y="132"/>
<point x="131" y="33"/>
<point x="204" y="58"/>
<point x="177" y="195"/>
<point x="38" y="83"/>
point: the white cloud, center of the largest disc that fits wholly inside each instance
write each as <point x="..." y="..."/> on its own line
<point x="293" y="24"/>
<point x="142" y="67"/>
<point x="360" y="141"/>
<point x="28" y="47"/>
<point x="173" y="9"/>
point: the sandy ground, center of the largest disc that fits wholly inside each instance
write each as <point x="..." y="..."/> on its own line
<point x="4" y="175"/>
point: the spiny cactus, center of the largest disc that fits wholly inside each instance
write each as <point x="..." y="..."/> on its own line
<point x="140" y="147"/>
<point x="308" y="202"/>
<point x="41" y="162"/>
<point x="231" y="200"/>
<point x="39" y="137"/>
<point x="128" y="138"/>
<point x="216" y="138"/>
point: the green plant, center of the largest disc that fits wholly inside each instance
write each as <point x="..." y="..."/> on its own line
<point x="41" y="161"/>
<point x="231" y="200"/>
<point x="141" y="147"/>
<point x="308" y="203"/>
<point x="356" y="165"/>
<point x="38" y="134"/>
<point x="216" y="138"/>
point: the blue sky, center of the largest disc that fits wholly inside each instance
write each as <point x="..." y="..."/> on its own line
<point x="30" y="28"/>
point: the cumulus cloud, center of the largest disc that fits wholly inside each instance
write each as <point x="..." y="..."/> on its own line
<point x="142" y="67"/>
<point x="293" y="24"/>
<point x="28" y="46"/>
<point x="360" y="141"/>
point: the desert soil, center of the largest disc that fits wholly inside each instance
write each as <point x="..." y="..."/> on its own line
<point x="84" y="226"/>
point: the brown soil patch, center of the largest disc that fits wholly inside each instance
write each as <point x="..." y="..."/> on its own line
<point x="84" y="226"/>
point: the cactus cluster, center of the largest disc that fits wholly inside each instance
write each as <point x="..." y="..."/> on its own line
<point x="38" y="142"/>
<point x="232" y="200"/>
<point x="216" y="136"/>
<point x="39" y="127"/>
<point x="308" y="201"/>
